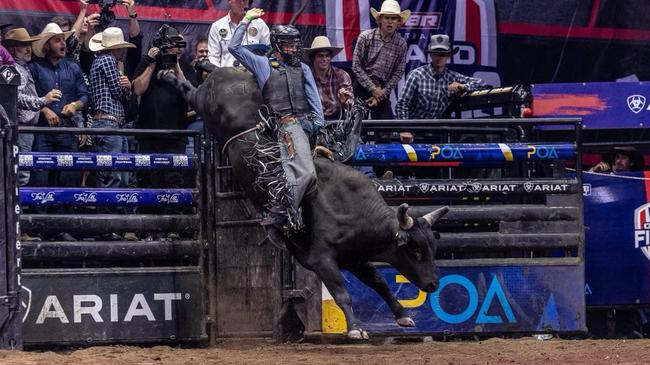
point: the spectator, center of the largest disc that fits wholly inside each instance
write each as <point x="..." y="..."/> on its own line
<point x="222" y="30"/>
<point x="334" y="85"/>
<point x="380" y="58"/>
<point x="290" y="93"/>
<point x="55" y="71"/>
<point x="5" y="56"/>
<point x="110" y="92"/>
<point x="429" y="89"/>
<point x="19" y="43"/>
<point x="620" y="159"/>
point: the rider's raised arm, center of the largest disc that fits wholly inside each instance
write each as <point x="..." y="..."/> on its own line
<point x="258" y="65"/>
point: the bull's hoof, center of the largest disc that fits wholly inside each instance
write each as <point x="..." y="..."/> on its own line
<point x="405" y="322"/>
<point x="358" y="335"/>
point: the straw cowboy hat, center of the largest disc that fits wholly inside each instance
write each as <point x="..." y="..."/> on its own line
<point x="390" y="7"/>
<point x="18" y="35"/>
<point x="440" y="43"/>
<point x="50" y="30"/>
<point x="110" y="38"/>
<point x="321" y="43"/>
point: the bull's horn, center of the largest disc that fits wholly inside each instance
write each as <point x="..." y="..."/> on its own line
<point x="405" y="220"/>
<point x="432" y="217"/>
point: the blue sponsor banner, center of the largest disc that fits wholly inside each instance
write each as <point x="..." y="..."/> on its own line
<point x="617" y="235"/>
<point x="479" y="300"/>
<point x="104" y="197"/>
<point x="599" y="104"/>
<point x="488" y="152"/>
<point x="99" y="161"/>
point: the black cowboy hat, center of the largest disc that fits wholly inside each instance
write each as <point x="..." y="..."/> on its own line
<point x="637" y="162"/>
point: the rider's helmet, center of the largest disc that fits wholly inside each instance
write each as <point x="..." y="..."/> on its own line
<point x="285" y="39"/>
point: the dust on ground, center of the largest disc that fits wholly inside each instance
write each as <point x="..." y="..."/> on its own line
<point x="492" y="351"/>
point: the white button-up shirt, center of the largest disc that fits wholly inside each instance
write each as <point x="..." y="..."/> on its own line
<point x="221" y="32"/>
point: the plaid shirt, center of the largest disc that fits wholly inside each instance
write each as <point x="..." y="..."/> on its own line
<point x="426" y="95"/>
<point x="328" y="85"/>
<point x="377" y="62"/>
<point x="107" y="95"/>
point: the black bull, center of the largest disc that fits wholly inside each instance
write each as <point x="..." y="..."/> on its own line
<point x="347" y="223"/>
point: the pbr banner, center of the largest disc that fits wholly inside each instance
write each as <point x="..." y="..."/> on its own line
<point x="97" y="161"/>
<point x="103" y="197"/>
<point x="617" y="237"/>
<point x="470" y="300"/>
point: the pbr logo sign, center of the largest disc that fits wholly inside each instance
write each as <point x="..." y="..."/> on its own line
<point x="642" y="229"/>
<point x="636" y="103"/>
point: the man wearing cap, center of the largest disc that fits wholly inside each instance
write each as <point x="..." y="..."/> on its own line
<point x="380" y="58"/>
<point x="222" y="30"/>
<point x="429" y="89"/>
<point x="110" y="92"/>
<point x="5" y="56"/>
<point x="19" y="43"/>
<point x="334" y="85"/>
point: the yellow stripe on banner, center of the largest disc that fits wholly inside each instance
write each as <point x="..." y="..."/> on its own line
<point x="410" y="152"/>
<point x="507" y="152"/>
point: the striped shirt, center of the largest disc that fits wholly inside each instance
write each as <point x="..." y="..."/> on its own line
<point x="377" y="62"/>
<point x="29" y="103"/>
<point x="426" y="95"/>
<point x="107" y="95"/>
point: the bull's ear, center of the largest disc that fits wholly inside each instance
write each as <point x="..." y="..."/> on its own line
<point x="405" y="221"/>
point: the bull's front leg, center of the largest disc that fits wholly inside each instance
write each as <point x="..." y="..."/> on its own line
<point x="329" y="273"/>
<point x="369" y="275"/>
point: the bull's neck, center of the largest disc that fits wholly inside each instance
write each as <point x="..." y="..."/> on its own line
<point x="383" y="233"/>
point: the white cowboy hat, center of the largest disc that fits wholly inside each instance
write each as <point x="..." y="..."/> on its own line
<point x="439" y="43"/>
<point x="50" y="30"/>
<point x="110" y="38"/>
<point x="321" y="43"/>
<point x="391" y="7"/>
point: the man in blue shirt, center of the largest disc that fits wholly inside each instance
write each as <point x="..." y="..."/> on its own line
<point x="54" y="71"/>
<point x="290" y="93"/>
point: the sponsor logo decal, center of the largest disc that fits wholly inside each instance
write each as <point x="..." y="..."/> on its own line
<point x="636" y="103"/>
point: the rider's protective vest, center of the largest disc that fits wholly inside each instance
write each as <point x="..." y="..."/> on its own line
<point x="284" y="91"/>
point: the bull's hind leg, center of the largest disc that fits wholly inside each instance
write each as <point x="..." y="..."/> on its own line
<point x="369" y="275"/>
<point x="329" y="273"/>
<point x="183" y="86"/>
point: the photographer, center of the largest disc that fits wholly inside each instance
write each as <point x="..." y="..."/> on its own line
<point x="161" y="105"/>
<point x="102" y="20"/>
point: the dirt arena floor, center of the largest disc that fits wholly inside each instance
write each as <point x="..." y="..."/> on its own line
<point x="492" y="351"/>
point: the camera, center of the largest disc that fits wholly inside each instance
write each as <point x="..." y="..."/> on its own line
<point x="166" y="39"/>
<point x="106" y="15"/>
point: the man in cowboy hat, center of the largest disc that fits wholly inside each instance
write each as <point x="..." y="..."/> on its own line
<point x="222" y="30"/>
<point x="334" y="85"/>
<point x="109" y="92"/>
<point x="54" y="71"/>
<point x="291" y="95"/>
<point x="19" y="43"/>
<point x="380" y="58"/>
<point x="429" y="89"/>
<point x="621" y="159"/>
<point x="5" y="56"/>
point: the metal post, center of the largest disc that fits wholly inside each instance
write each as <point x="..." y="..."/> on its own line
<point x="11" y="330"/>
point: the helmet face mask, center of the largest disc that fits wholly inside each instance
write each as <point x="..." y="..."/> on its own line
<point x="285" y="39"/>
